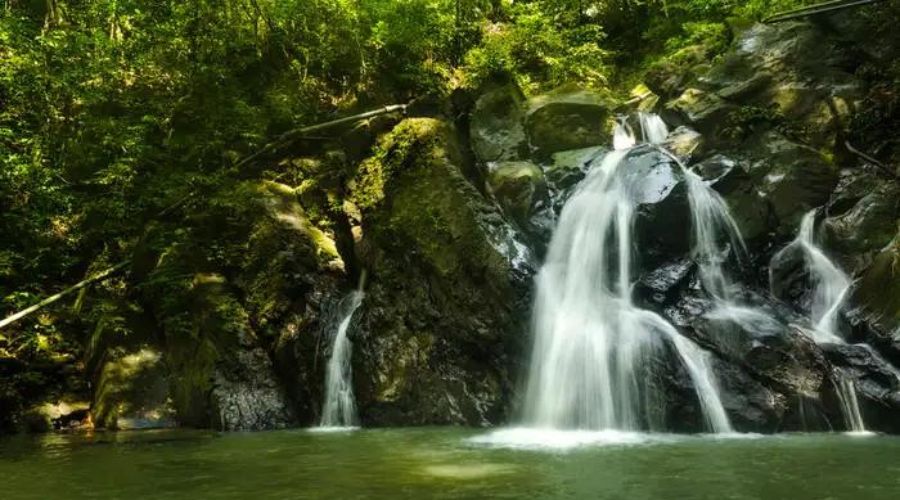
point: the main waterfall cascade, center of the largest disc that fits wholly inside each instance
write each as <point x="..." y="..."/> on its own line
<point x="829" y="289"/>
<point x="592" y="343"/>
<point x="592" y="375"/>
<point x="339" y="407"/>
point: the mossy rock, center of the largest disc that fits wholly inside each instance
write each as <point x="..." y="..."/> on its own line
<point x="132" y="391"/>
<point x="496" y="126"/>
<point x="435" y="326"/>
<point x="792" y="177"/>
<point x="869" y="225"/>
<point x="567" y="118"/>
<point x="519" y="187"/>
<point x="878" y="293"/>
<point x="228" y="288"/>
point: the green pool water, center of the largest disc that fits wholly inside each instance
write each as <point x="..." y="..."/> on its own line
<point x="446" y="463"/>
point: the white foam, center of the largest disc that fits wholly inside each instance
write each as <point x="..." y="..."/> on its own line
<point x="333" y="429"/>
<point x="546" y="438"/>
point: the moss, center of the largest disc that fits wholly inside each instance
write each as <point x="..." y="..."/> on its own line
<point x="394" y="152"/>
<point x="879" y="288"/>
<point x="132" y="385"/>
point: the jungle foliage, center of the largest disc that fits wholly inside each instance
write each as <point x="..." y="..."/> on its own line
<point x="113" y="110"/>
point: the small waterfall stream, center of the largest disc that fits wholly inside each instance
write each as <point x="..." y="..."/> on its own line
<point x="339" y="407"/>
<point x="623" y="135"/>
<point x="591" y="342"/>
<point x="653" y="128"/>
<point x="829" y="288"/>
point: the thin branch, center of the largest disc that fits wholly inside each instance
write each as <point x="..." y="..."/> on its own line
<point x="68" y="291"/>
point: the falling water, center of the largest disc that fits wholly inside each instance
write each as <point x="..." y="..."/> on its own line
<point x="846" y="392"/>
<point x="711" y="218"/>
<point x="339" y="409"/>
<point x="829" y="288"/>
<point x="590" y="339"/>
<point x="623" y="136"/>
<point x="653" y="128"/>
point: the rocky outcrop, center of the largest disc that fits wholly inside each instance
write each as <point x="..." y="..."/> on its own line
<point x="441" y="327"/>
<point x="238" y="285"/>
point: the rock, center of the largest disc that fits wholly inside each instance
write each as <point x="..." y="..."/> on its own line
<point x="227" y="290"/>
<point x="797" y="71"/>
<point x="877" y="384"/>
<point x="566" y="169"/>
<point x="567" y="118"/>
<point x="663" y="283"/>
<point x="751" y="406"/>
<point x="876" y="301"/>
<point x="868" y="226"/>
<point x="704" y="111"/>
<point x="757" y="339"/>
<point x="440" y="327"/>
<point x="684" y="142"/>
<point x="496" y="125"/>
<point x="792" y="177"/>
<point x="132" y="391"/>
<point x="660" y="192"/>
<point x="519" y="187"/>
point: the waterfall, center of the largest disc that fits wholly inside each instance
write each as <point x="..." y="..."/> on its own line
<point x="623" y="135"/>
<point x="846" y="393"/>
<point x="653" y="128"/>
<point x="711" y="218"/>
<point x="588" y="368"/>
<point x="339" y="408"/>
<point x="829" y="289"/>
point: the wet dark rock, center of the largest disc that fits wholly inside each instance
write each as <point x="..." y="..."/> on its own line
<point x="877" y="384"/>
<point x="663" y="283"/>
<point x="751" y="406"/>
<point x="722" y="172"/>
<point x="496" y="124"/>
<point x="657" y="186"/>
<point x="867" y="227"/>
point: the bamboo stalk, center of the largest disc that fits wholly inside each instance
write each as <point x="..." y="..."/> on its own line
<point x="294" y="134"/>
<point x="68" y="291"/>
<point x="820" y="8"/>
<point x="880" y="166"/>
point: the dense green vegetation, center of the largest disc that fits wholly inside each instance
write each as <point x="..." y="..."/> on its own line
<point x="111" y="111"/>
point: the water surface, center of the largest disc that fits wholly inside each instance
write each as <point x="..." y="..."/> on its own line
<point x="446" y="463"/>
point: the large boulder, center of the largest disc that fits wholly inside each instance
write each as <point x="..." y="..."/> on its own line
<point x="442" y="324"/>
<point x="656" y="184"/>
<point x="567" y="118"/>
<point x="868" y="226"/>
<point x="792" y="178"/>
<point x="520" y="188"/>
<point x="132" y="390"/>
<point x="876" y="299"/>
<point x="497" y="124"/>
